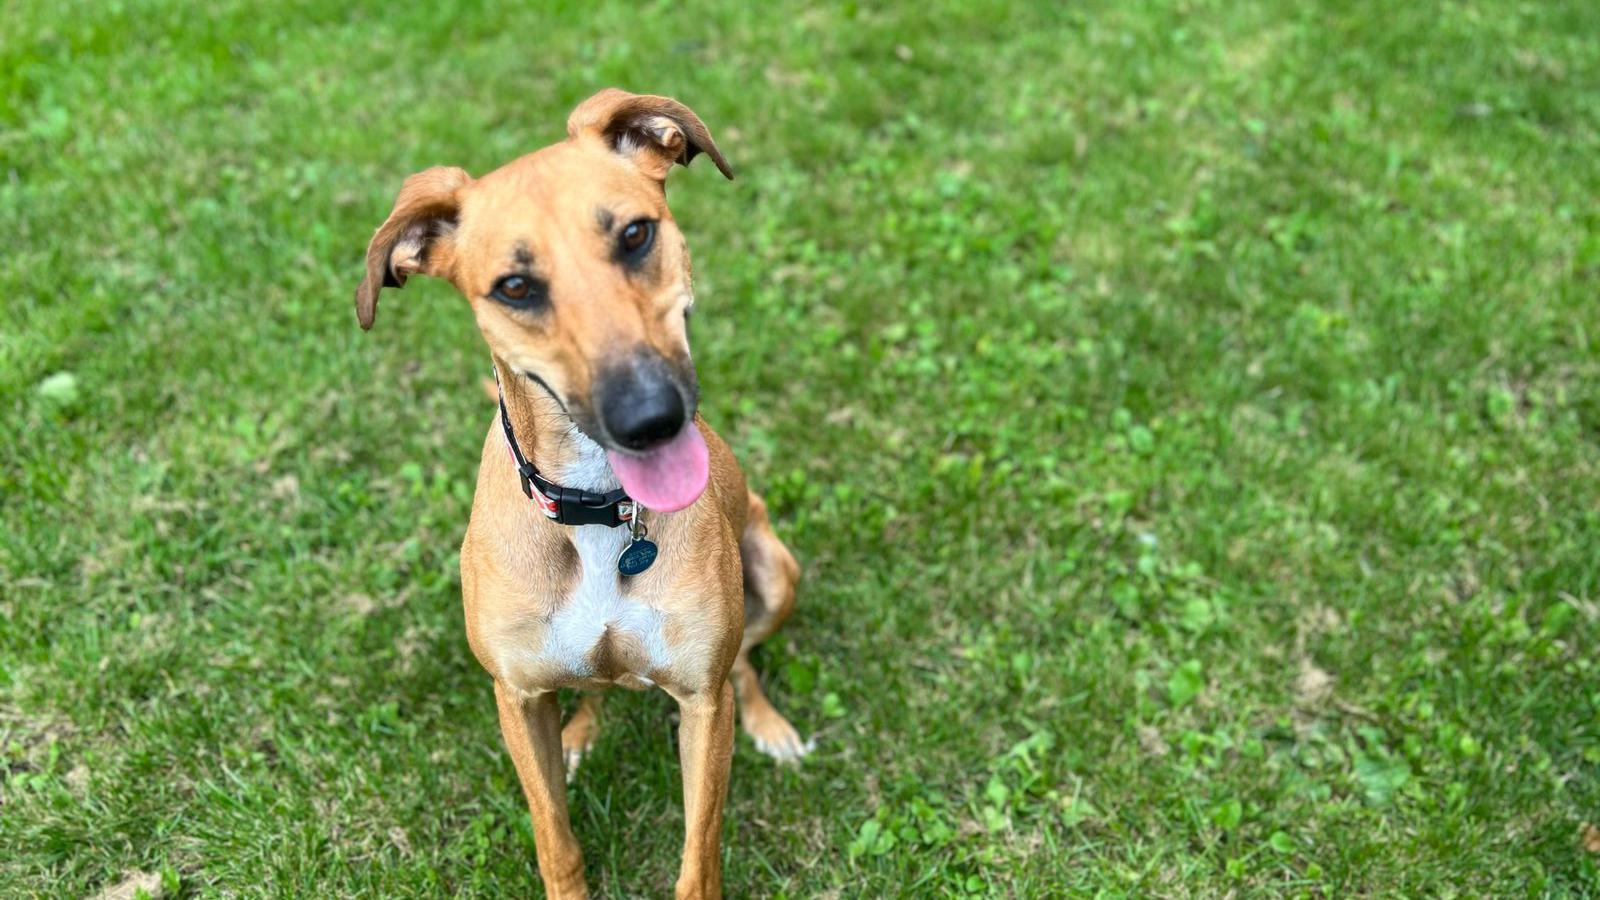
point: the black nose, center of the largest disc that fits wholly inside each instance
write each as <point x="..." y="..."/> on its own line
<point x="641" y="404"/>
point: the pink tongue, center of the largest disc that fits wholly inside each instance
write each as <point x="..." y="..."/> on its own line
<point x="669" y="477"/>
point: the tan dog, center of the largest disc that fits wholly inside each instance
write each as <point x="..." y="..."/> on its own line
<point x="580" y="282"/>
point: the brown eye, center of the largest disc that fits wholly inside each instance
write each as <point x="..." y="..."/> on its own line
<point x="636" y="238"/>
<point x="517" y="290"/>
<point x="514" y="288"/>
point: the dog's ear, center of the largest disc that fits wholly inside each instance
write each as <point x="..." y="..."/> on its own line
<point x="654" y="132"/>
<point x="406" y="242"/>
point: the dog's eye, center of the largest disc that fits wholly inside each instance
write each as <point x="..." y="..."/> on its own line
<point x="518" y="291"/>
<point x="514" y="288"/>
<point x="636" y="238"/>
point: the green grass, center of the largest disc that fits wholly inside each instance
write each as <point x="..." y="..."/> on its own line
<point x="1187" y="414"/>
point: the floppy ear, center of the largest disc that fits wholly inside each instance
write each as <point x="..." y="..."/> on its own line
<point x="424" y="212"/>
<point x="654" y="132"/>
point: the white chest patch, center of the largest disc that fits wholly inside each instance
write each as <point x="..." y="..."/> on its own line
<point x="597" y="606"/>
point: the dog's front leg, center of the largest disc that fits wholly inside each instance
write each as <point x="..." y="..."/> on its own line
<point x="532" y="729"/>
<point x="705" y="751"/>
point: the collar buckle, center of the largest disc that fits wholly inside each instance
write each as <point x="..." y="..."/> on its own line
<point x="575" y="506"/>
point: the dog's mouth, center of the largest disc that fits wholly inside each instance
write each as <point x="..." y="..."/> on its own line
<point x="668" y="476"/>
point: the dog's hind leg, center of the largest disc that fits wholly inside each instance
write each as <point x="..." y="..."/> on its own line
<point x="770" y="577"/>
<point x="581" y="731"/>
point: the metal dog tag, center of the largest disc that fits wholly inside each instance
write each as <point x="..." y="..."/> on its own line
<point x="637" y="556"/>
<point x="641" y="551"/>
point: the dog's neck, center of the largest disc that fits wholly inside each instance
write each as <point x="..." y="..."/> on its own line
<point x="550" y="439"/>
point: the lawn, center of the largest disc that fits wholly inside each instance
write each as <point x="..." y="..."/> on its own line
<point x="1187" y="415"/>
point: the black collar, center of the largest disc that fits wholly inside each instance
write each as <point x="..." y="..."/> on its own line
<point x="567" y="506"/>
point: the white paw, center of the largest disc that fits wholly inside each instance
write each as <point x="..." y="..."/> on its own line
<point x="572" y="756"/>
<point x="784" y="744"/>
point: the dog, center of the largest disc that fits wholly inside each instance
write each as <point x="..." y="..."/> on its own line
<point x="613" y="540"/>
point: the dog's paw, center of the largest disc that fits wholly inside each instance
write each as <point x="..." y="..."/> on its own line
<point x="775" y="737"/>
<point x="577" y="739"/>
<point x="572" y="756"/>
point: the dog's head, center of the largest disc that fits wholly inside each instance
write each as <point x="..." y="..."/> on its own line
<point x="577" y="274"/>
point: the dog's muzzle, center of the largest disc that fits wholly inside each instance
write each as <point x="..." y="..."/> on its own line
<point x="641" y="402"/>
